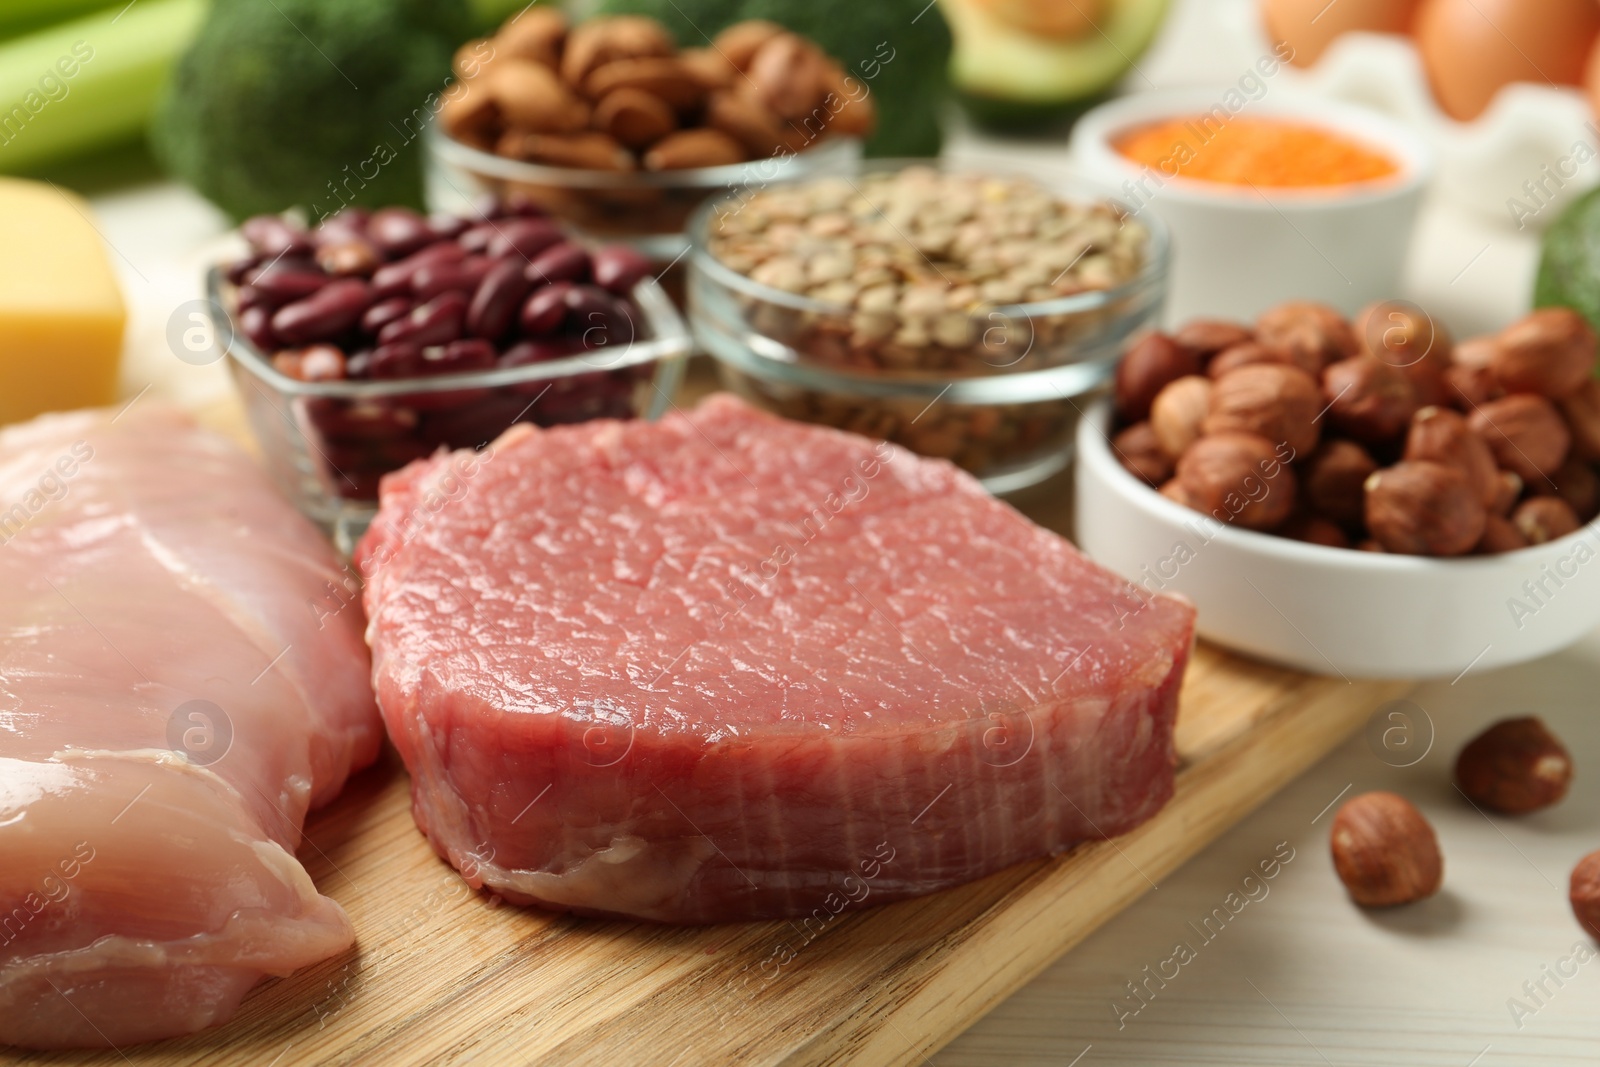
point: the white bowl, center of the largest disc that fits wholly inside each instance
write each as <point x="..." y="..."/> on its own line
<point x="1335" y="610"/>
<point x="1238" y="250"/>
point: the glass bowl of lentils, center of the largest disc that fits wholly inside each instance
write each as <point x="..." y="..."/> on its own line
<point x="957" y="312"/>
<point x="377" y="338"/>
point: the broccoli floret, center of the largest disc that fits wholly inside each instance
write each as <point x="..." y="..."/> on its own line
<point x="308" y="103"/>
<point x="900" y="48"/>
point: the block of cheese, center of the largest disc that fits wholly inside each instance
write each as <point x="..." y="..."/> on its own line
<point x="61" y="311"/>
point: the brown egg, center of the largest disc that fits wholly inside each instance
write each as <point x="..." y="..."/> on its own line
<point x="1310" y="26"/>
<point x="1472" y="48"/>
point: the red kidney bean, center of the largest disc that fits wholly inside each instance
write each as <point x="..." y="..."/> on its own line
<point x="398" y="231"/>
<point x="477" y="238"/>
<point x="601" y="319"/>
<point x="355" y="256"/>
<point x="436" y="322"/>
<point x="359" y="420"/>
<point x="619" y="268"/>
<point x="545" y="310"/>
<point x="401" y="359"/>
<point x="520" y="205"/>
<point x="279" y="284"/>
<point x="272" y="235"/>
<point x="524" y="353"/>
<point x="498" y="298"/>
<point x="384" y="312"/>
<point x="394" y="279"/>
<point x="315" y="363"/>
<point x="460" y="357"/>
<point x="249" y="297"/>
<point x="447" y="227"/>
<point x="350" y="221"/>
<point x="326" y="314"/>
<point x="464" y="277"/>
<point x="563" y="262"/>
<point x="256" y="324"/>
<point x="356" y="364"/>
<point x="524" y="238"/>
<point x="475" y="425"/>
<point x="236" y="271"/>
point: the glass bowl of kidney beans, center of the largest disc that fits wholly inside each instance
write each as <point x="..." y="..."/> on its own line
<point x="376" y="338"/>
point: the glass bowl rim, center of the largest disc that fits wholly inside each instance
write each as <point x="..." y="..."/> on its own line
<point x="1153" y="272"/>
<point x="831" y="150"/>
<point x="670" y="339"/>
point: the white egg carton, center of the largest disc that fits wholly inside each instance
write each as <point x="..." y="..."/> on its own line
<point x="1529" y="155"/>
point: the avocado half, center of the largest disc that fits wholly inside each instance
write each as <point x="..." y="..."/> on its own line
<point x="1011" y="78"/>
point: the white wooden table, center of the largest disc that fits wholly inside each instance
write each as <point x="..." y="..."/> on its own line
<point x="1299" y="976"/>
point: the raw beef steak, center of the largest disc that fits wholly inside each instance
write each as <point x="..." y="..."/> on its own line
<point x="730" y="667"/>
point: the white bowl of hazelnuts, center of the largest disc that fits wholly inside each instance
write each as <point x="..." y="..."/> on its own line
<point x="1358" y="498"/>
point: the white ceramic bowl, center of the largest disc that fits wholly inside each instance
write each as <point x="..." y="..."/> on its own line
<point x="1239" y="250"/>
<point x="1334" y="610"/>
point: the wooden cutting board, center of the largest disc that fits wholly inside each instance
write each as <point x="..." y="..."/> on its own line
<point x="442" y="974"/>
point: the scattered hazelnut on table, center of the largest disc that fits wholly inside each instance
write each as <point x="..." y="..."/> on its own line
<point x="1425" y="509"/>
<point x="1550" y="352"/>
<point x="1367" y="399"/>
<point x="1178" y="412"/>
<point x="1314" y="334"/>
<point x="1335" y="481"/>
<point x="1206" y="338"/>
<point x="1514" y="767"/>
<point x="1585" y="893"/>
<point x="1443" y="436"/>
<point x="1238" y="477"/>
<point x="1140" y="452"/>
<point x="1542" y="519"/>
<point x="1153" y="362"/>
<point x="1385" y="851"/>
<point x="1271" y="400"/>
<point x="1526" y="434"/>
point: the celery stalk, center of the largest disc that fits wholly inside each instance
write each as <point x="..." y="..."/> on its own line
<point x="47" y="115"/>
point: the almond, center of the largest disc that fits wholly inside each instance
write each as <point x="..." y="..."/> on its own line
<point x="587" y="151"/>
<point x="689" y="149"/>
<point x="537" y="33"/>
<point x="748" y="121"/>
<point x="787" y="72"/>
<point x="740" y="41"/>
<point x="634" y="117"/>
<point x="603" y="40"/>
<point x="848" y="102"/>
<point x="659" y="76"/>
<point x="470" y="115"/>
<point x="532" y="98"/>
<point x="709" y="67"/>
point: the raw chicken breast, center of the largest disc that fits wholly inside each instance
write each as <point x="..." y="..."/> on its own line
<point x="727" y="667"/>
<point x="182" y="675"/>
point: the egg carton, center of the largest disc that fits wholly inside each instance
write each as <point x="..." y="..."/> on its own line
<point x="1534" y="151"/>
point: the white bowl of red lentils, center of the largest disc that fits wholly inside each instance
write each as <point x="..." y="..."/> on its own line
<point x="1363" y="500"/>
<point x="1270" y="196"/>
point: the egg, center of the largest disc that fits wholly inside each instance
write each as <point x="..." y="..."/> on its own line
<point x="1472" y="48"/>
<point x="1310" y="26"/>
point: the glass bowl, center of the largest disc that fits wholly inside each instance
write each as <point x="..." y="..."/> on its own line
<point x="647" y="209"/>
<point x="993" y="390"/>
<point x="326" y="444"/>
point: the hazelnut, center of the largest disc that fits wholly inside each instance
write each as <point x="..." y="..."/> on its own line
<point x="1544" y="518"/>
<point x="1207" y="337"/>
<point x="1385" y="851"/>
<point x="1335" y="481"/>
<point x="1271" y="400"/>
<point x="1402" y="335"/>
<point x="1508" y="490"/>
<point x="1238" y="477"/>
<point x="1243" y="355"/>
<point x="1369" y="400"/>
<point x="1178" y="411"/>
<point x="1151" y="362"/>
<point x="1139" y="451"/>
<point x="1371" y="544"/>
<point x="1576" y="483"/>
<point x="1582" y="409"/>
<point x="1525" y="433"/>
<point x="1313" y="529"/>
<point x="1314" y="335"/>
<point x="1425" y="509"/>
<point x="1585" y="893"/>
<point x="1470" y="387"/>
<point x="1476" y="352"/>
<point x="1499" y="535"/>
<point x="1550" y="352"/>
<point x="1444" y="437"/>
<point x="1174" y="491"/>
<point x="1514" y="767"/>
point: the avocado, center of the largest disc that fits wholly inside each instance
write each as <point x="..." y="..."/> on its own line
<point x="1569" y="268"/>
<point x="1013" y="69"/>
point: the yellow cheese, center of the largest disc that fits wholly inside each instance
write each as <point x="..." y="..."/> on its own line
<point x="61" y="313"/>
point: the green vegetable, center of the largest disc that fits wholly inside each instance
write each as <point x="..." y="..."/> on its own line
<point x="89" y="83"/>
<point x="1010" y="78"/>
<point x="1569" y="269"/>
<point x="309" y="103"/>
<point x="22" y="16"/>
<point x="898" y="47"/>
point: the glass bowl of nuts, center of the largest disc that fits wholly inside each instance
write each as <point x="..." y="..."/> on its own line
<point x="1360" y="498"/>
<point x="957" y="312"/>
<point x="378" y="338"/>
<point x="613" y="129"/>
